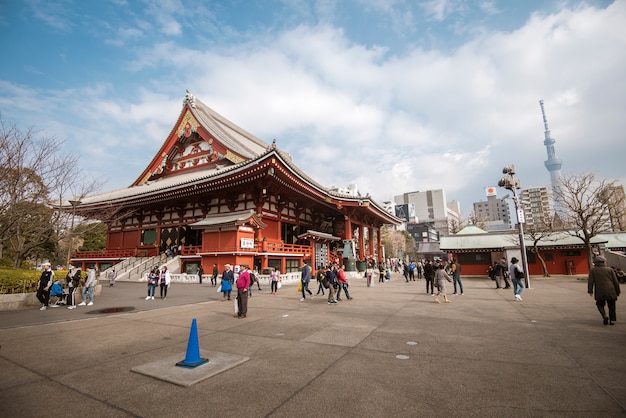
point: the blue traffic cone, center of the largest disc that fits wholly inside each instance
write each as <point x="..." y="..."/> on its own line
<point x="193" y="359"/>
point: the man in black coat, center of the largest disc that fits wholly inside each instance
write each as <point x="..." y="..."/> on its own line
<point x="429" y="275"/>
<point x="603" y="280"/>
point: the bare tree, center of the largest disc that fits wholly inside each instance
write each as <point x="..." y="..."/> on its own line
<point x="479" y="221"/>
<point x="454" y="225"/>
<point x="540" y="232"/>
<point x="393" y="241"/>
<point x="584" y="207"/>
<point x="35" y="176"/>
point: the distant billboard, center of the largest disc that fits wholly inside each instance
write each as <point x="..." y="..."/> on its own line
<point x="406" y="212"/>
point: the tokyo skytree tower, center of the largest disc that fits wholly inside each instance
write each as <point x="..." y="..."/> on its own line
<point x="553" y="163"/>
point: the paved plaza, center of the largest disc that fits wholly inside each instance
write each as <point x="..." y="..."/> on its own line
<point x="389" y="352"/>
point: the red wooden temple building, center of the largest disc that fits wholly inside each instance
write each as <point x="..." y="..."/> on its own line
<point x="217" y="194"/>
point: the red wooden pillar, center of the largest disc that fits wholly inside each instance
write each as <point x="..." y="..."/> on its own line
<point x="361" y="243"/>
<point x="347" y="227"/>
<point x="370" y="232"/>
<point x="379" y="245"/>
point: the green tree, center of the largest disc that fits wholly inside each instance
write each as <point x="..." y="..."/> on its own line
<point x="94" y="236"/>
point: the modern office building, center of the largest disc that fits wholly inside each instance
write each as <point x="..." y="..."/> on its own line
<point x="537" y="207"/>
<point x="431" y="206"/>
<point x="494" y="214"/>
<point x="616" y="205"/>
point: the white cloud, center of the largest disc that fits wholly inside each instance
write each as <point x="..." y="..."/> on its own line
<point x="350" y="113"/>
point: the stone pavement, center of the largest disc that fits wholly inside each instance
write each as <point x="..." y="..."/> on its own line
<point x="390" y="352"/>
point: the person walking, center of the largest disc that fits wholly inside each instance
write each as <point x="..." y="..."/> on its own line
<point x="43" y="286"/>
<point x="228" y="278"/>
<point x="381" y="272"/>
<point x="153" y="278"/>
<point x="429" y="275"/>
<point x="111" y="276"/>
<point x="411" y="267"/>
<point x="274" y="279"/>
<point x="320" y="276"/>
<point x="369" y="274"/>
<point x="243" y="285"/>
<point x="517" y="277"/>
<point x="493" y="273"/>
<point x="603" y="282"/>
<point x="88" y="289"/>
<point x="73" y="282"/>
<point x="331" y="279"/>
<point x="252" y="280"/>
<point x="502" y="275"/>
<point x="216" y="273"/>
<point x="200" y="273"/>
<point x="164" y="281"/>
<point x="305" y="278"/>
<point x="455" y="267"/>
<point x="342" y="283"/>
<point x="441" y="277"/>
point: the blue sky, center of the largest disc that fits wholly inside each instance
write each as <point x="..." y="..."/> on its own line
<point x="396" y="96"/>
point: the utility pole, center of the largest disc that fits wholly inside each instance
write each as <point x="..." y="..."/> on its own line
<point x="509" y="182"/>
<point x="74" y="203"/>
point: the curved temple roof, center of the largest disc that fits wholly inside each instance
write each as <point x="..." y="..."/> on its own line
<point x="239" y="151"/>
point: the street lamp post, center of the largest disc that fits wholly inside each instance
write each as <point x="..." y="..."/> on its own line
<point x="509" y="182"/>
<point x="74" y="203"/>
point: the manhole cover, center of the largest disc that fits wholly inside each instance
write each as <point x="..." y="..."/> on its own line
<point x="112" y="310"/>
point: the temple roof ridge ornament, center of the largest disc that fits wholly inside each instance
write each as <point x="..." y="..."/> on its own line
<point x="189" y="98"/>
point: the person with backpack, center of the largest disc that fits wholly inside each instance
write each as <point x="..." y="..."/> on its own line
<point x="441" y="277"/>
<point x="455" y="268"/>
<point x="253" y="280"/>
<point x="411" y="271"/>
<point x="517" y="276"/>
<point x="381" y="273"/>
<point x="342" y="282"/>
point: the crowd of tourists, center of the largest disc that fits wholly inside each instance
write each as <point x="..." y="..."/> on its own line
<point x="603" y="282"/>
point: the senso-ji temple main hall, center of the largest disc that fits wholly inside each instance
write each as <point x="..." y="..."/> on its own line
<point x="218" y="194"/>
